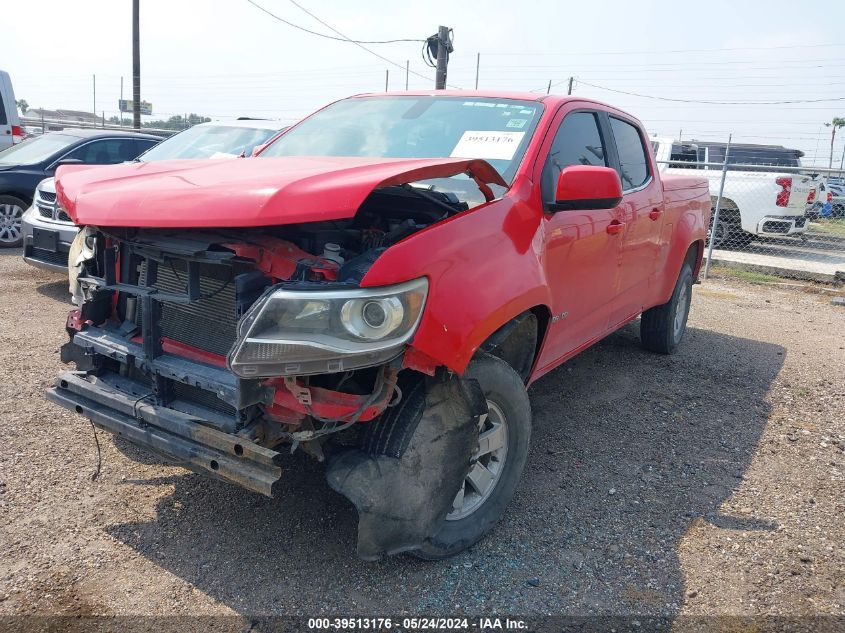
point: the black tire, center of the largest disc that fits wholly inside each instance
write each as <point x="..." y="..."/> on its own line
<point x="11" y="236"/>
<point x="503" y="387"/>
<point x="740" y="238"/>
<point x="723" y="233"/>
<point x="659" y="330"/>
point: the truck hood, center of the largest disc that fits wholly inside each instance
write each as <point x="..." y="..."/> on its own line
<point x="243" y="192"/>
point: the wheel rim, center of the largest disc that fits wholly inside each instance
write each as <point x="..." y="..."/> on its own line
<point x="10" y="223"/>
<point x="721" y="233"/>
<point x="681" y="308"/>
<point x="487" y="464"/>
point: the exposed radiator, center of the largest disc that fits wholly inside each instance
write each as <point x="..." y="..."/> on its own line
<point x="209" y="323"/>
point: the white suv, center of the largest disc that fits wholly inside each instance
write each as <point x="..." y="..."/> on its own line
<point x="10" y="125"/>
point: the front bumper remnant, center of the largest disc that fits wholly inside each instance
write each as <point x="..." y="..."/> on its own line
<point x="178" y="437"/>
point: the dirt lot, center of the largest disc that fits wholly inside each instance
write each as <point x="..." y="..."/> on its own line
<point x="709" y="482"/>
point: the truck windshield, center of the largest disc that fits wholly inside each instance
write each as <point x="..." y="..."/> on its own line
<point x="497" y="130"/>
<point x="35" y="150"/>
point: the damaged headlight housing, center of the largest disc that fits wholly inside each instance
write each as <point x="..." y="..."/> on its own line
<point x="300" y="332"/>
<point x="82" y="249"/>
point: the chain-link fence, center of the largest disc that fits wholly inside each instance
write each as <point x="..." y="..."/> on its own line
<point x="769" y="212"/>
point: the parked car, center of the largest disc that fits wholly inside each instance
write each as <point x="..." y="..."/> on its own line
<point x="10" y="125"/>
<point x="757" y="201"/>
<point x="205" y="140"/>
<point x="216" y="140"/>
<point x="837" y="197"/>
<point x="828" y="201"/>
<point x="24" y="165"/>
<point x="377" y="288"/>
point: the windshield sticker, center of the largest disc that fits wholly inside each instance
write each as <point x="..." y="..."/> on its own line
<point x="517" y="123"/>
<point x="488" y="144"/>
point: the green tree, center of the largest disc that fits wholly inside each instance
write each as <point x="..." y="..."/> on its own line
<point x="834" y="125"/>
<point x="23" y="105"/>
<point x="178" y="122"/>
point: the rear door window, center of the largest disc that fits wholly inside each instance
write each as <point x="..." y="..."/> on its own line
<point x="578" y="142"/>
<point x="633" y="157"/>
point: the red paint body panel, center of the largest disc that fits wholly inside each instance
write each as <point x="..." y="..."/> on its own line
<point x="241" y="193"/>
<point x="485" y="265"/>
<point x="508" y="256"/>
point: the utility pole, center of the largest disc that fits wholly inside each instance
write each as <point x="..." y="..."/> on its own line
<point x="477" y="66"/>
<point x="386" y="78"/>
<point x="95" y="95"/>
<point x="136" y="66"/>
<point x="407" y="71"/>
<point x="569" y="90"/>
<point x="444" y="47"/>
<point x="120" y="112"/>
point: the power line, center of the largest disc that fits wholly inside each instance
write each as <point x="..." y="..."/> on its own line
<point x="328" y="37"/>
<point x="359" y="45"/>
<point x="686" y="50"/>
<point x="636" y="94"/>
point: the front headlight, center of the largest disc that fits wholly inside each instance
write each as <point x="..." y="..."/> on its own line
<point x="296" y="332"/>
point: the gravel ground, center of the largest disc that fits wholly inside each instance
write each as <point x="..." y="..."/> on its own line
<point x="709" y="482"/>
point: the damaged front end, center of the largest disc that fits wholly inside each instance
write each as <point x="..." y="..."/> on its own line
<point x="220" y="349"/>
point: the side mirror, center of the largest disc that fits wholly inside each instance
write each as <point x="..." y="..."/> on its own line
<point x="65" y="161"/>
<point x="587" y="187"/>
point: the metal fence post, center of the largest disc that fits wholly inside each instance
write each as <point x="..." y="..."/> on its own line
<point x="716" y="211"/>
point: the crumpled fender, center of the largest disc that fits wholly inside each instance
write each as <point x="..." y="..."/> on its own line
<point x="402" y="501"/>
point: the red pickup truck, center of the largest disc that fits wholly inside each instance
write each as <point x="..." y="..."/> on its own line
<point x="377" y="287"/>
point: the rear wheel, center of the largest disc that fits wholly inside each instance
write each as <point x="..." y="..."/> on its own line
<point x="728" y="232"/>
<point x="720" y="235"/>
<point x="11" y="218"/>
<point x="495" y="467"/>
<point x="662" y="327"/>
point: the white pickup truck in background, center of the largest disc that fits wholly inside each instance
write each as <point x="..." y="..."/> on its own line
<point x="756" y="201"/>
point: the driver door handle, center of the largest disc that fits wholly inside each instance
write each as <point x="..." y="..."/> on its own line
<point x="615" y="227"/>
<point x="655" y="214"/>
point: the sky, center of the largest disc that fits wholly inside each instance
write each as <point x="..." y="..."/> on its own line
<point x="227" y="58"/>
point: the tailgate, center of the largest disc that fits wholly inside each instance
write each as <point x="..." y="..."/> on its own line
<point x="801" y="187"/>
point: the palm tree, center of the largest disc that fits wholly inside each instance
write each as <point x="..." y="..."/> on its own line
<point x="837" y="123"/>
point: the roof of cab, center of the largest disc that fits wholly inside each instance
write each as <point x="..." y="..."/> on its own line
<point x="487" y="94"/>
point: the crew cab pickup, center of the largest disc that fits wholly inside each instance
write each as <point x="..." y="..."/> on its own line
<point x="758" y="199"/>
<point x="377" y="288"/>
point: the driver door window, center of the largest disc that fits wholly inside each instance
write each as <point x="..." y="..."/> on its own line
<point x="578" y="142"/>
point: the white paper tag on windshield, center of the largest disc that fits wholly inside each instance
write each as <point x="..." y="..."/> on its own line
<point x="487" y="144"/>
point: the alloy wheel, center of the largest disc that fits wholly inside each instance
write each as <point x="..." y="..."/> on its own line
<point x="487" y="464"/>
<point x="10" y="223"/>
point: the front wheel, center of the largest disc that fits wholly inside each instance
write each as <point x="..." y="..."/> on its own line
<point x="662" y="327"/>
<point x="11" y="219"/>
<point x="495" y="466"/>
